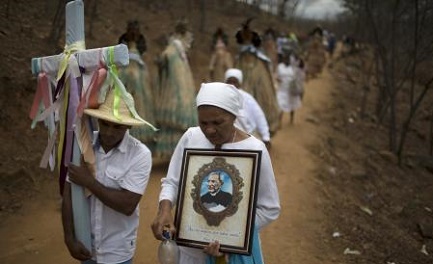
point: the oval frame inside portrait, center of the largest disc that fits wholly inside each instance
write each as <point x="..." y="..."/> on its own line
<point x="216" y="191"/>
<point x="232" y="185"/>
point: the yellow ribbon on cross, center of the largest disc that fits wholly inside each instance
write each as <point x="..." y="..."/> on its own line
<point x="69" y="50"/>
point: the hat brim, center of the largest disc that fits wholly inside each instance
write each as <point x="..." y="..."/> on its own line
<point x="124" y="120"/>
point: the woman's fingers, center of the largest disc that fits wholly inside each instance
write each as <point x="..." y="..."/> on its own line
<point x="213" y="249"/>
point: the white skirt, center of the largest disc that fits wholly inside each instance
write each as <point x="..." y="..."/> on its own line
<point x="286" y="101"/>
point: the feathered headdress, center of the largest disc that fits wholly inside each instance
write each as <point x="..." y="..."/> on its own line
<point x="246" y="36"/>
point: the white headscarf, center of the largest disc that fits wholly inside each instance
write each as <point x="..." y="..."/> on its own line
<point x="222" y="95"/>
<point x="234" y="73"/>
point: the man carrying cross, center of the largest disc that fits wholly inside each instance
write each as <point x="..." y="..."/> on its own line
<point x="122" y="173"/>
<point x="100" y="197"/>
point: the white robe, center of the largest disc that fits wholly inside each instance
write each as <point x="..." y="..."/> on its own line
<point x="286" y="101"/>
<point x="252" y="119"/>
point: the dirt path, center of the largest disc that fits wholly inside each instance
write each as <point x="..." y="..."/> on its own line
<point x="294" y="237"/>
<point x="34" y="235"/>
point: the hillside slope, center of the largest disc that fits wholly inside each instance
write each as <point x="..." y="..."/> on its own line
<point x="26" y="32"/>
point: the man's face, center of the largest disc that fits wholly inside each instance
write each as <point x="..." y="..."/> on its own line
<point x="213" y="183"/>
<point x="110" y="134"/>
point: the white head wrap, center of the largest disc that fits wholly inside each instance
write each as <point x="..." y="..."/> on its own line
<point x="234" y="73"/>
<point x="222" y="95"/>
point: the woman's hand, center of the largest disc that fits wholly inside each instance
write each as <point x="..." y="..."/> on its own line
<point x="163" y="220"/>
<point x="213" y="249"/>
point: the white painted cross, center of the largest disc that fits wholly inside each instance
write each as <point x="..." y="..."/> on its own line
<point x="90" y="60"/>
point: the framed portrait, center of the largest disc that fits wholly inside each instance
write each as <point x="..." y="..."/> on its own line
<point x="217" y="196"/>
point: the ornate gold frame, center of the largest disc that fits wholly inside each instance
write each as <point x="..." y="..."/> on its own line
<point x="218" y="163"/>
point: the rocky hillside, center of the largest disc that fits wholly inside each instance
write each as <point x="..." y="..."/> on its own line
<point x="28" y="27"/>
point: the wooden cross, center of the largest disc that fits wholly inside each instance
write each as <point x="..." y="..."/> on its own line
<point x="90" y="60"/>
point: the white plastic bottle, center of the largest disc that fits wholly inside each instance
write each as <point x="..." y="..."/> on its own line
<point x="168" y="251"/>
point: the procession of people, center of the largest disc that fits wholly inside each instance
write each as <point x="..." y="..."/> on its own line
<point x="273" y="66"/>
<point x="140" y="118"/>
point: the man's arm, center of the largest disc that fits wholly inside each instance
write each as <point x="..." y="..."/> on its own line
<point x="122" y="200"/>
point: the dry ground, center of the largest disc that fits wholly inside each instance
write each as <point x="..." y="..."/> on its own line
<point x="35" y="229"/>
<point x="340" y="190"/>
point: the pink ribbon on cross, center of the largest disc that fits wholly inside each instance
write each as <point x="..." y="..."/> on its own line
<point x="41" y="95"/>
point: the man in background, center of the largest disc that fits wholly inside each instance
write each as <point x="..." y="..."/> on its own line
<point x="252" y="119"/>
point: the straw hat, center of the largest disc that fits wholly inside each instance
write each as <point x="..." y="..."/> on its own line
<point x="105" y="112"/>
